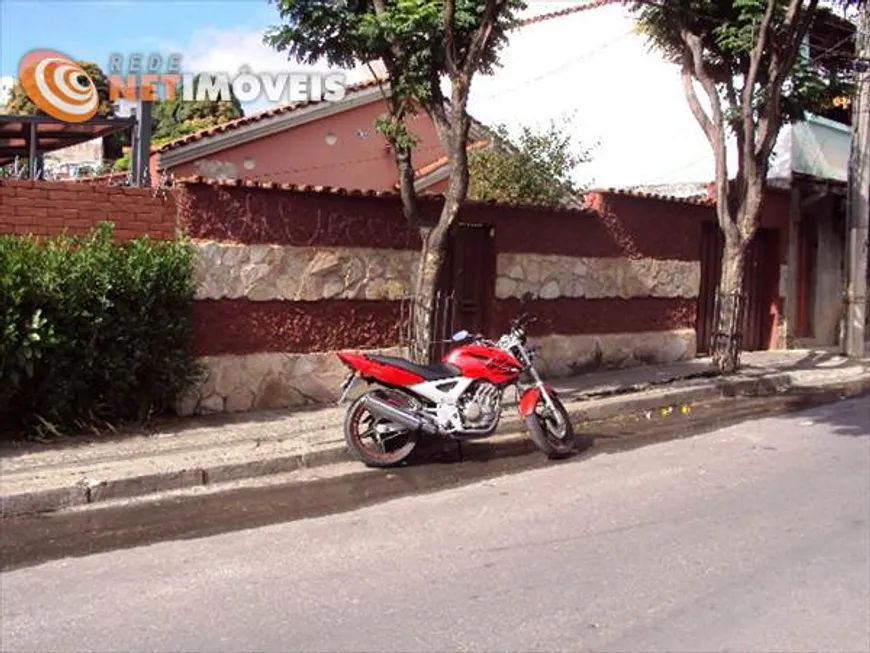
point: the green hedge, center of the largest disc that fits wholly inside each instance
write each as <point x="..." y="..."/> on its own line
<point x="93" y="331"/>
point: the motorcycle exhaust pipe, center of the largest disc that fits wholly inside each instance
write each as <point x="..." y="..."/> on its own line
<point x="403" y="418"/>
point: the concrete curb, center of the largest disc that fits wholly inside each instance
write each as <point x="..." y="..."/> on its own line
<point x="511" y="441"/>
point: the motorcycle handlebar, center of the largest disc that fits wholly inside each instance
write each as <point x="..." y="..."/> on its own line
<point x="524" y="319"/>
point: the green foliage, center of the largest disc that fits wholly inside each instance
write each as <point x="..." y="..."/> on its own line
<point x="407" y="35"/>
<point x="94" y="331"/>
<point x="728" y="31"/>
<point x="122" y="164"/>
<point x="393" y="128"/>
<point x="347" y="33"/>
<point x="536" y="169"/>
<point x="171" y="119"/>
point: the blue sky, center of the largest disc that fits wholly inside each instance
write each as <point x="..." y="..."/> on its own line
<point x="211" y="35"/>
<point x="92" y="30"/>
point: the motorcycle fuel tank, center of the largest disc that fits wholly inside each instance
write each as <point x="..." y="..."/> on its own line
<point x="482" y="362"/>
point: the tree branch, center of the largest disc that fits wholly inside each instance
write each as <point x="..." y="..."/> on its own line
<point x="779" y="68"/>
<point x="693" y="65"/>
<point x="739" y="134"/>
<point x="480" y="38"/>
<point x="450" y="36"/>
<point x="381" y="87"/>
<point x="437" y="109"/>
<point x="694" y="104"/>
<point x="402" y="153"/>
<point x="755" y="56"/>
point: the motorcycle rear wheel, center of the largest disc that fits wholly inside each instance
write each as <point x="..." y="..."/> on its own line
<point x="360" y="424"/>
<point x="555" y="441"/>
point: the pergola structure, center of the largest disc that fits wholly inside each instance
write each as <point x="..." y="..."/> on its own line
<point x="31" y="137"/>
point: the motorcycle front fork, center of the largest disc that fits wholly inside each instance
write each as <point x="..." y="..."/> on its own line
<point x="539" y="384"/>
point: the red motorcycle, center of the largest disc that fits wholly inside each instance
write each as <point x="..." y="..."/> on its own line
<point x="460" y="397"/>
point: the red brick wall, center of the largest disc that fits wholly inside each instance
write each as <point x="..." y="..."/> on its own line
<point x="263" y="215"/>
<point x="47" y="208"/>
<point x="619" y="225"/>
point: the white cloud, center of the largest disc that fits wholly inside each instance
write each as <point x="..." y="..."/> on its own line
<point x="222" y="51"/>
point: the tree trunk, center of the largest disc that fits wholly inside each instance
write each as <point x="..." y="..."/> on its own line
<point x="428" y="273"/>
<point x="455" y="138"/>
<point x="727" y="340"/>
<point x="429" y="269"/>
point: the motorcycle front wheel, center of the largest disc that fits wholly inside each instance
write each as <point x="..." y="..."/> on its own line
<point x="555" y="440"/>
<point x="374" y="441"/>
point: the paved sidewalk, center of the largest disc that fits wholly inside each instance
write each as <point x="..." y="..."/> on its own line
<point x="222" y="448"/>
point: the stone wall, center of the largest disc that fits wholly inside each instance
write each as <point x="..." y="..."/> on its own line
<point x="550" y="277"/>
<point x="286" y="278"/>
<point x="276" y="272"/>
<point x="267" y="380"/>
<point x="568" y="355"/>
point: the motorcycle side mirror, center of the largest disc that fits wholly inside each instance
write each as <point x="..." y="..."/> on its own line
<point x="459" y="336"/>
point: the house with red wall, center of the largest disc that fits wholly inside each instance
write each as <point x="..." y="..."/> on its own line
<point x="336" y="145"/>
<point x="306" y="144"/>
<point x="316" y="144"/>
<point x="287" y="275"/>
<point x="324" y="143"/>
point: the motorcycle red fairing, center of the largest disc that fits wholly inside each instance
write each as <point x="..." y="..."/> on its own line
<point x="459" y="397"/>
<point x="375" y="370"/>
<point x="474" y="361"/>
<point x="531" y="398"/>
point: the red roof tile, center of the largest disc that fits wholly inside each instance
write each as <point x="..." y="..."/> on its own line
<point x="422" y="171"/>
<point x="700" y="200"/>
<point x="353" y="192"/>
<point x="289" y="108"/>
<point x="255" y="117"/>
<point x="567" y="12"/>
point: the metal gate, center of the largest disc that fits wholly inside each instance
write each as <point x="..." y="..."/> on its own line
<point x="760" y="287"/>
<point x="443" y="324"/>
<point x="466" y="289"/>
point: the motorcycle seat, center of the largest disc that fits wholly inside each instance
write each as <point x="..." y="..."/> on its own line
<point x="433" y="372"/>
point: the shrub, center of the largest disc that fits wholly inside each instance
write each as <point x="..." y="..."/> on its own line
<point x="93" y="331"/>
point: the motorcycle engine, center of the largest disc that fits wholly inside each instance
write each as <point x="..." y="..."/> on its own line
<point x="479" y="405"/>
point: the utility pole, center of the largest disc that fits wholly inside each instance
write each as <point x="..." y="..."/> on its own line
<point x="859" y="195"/>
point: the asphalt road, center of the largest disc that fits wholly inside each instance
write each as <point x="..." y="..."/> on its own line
<point x="750" y="538"/>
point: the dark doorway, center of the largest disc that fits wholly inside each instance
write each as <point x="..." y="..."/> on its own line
<point x="807" y="247"/>
<point x="760" y="287"/>
<point x="467" y="281"/>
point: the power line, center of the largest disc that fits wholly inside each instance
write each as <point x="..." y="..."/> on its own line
<point x="559" y="68"/>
